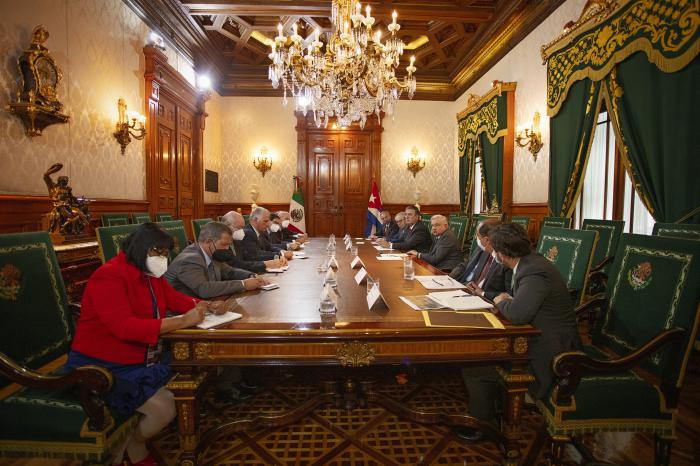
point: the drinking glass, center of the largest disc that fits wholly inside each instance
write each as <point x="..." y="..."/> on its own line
<point x="408" y="273"/>
<point x="353" y="251"/>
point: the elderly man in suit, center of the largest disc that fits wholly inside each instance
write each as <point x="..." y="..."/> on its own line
<point x="255" y="245"/>
<point x="480" y="271"/>
<point x="541" y="299"/>
<point x="400" y="233"/>
<point x="389" y="226"/>
<point x="445" y="253"/>
<point x="195" y="272"/>
<point x="233" y="255"/>
<point x="417" y="234"/>
<point x="276" y="236"/>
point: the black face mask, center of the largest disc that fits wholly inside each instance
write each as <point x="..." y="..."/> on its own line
<point x="222" y="255"/>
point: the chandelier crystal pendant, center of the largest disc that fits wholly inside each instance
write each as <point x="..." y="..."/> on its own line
<point x="352" y="78"/>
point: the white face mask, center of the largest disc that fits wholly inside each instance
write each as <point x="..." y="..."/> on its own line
<point x="478" y="243"/>
<point x="238" y="235"/>
<point x="157" y="265"/>
<point x="274" y="228"/>
<point x="495" y="257"/>
<point x="285" y="223"/>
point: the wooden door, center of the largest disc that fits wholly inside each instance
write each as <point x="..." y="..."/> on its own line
<point x="166" y="157"/>
<point x="323" y="177"/>
<point x="185" y="175"/>
<point x="354" y="182"/>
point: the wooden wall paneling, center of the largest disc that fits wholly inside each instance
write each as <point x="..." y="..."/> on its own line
<point x="434" y="209"/>
<point x="536" y="212"/>
<point x="508" y="150"/>
<point x="217" y="209"/>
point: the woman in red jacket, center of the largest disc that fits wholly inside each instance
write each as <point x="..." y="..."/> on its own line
<point x="122" y="317"/>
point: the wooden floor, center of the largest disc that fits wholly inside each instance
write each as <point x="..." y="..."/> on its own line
<point x="373" y="436"/>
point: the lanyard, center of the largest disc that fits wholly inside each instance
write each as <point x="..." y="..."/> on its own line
<point x="156" y="312"/>
<point x="153" y="352"/>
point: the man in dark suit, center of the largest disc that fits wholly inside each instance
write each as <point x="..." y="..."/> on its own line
<point x="480" y="272"/>
<point x="417" y="234"/>
<point x="255" y="245"/>
<point x="445" y="253"/>
<point x="275" y="234"/>
<point x="389" y="226"/>
<point x="287" y="234"/>
<point x="233" y="255"/>
<point x="400" y="233"/>
<point x="541" y="299"/>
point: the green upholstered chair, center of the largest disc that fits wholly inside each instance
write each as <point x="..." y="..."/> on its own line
<point x="164" y="217"/>
<point x="113" y="220"/>
<point x="141" y="217"/>
<point x="648" y="321"/>
<point x="459" y="226"/>
<point x="471" y="239"/>
<point x="677" y="230"/>
<point x="559" y="222"/>
<point x="246" y="218"/>
<point x="43" y="411"/>
<point x="522" y="220"/>
<point x="109" y="239"/>
<point x="176" y="229"/>
<point x="570" y="251"/>
<point x="197" y="225"/>
<point x="609" y="232"/>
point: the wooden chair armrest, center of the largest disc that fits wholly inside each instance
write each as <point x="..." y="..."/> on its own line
<point x="570" y="367"/>
<point x="91" y="382"/>
<point x="602" y="264"/>
<point x="584" y="310"/>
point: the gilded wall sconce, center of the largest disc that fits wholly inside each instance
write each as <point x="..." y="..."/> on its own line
<point x="415" y="162"/>
<point x="125" y="130"/>
<point x="532" y="137"/>
<point x="262" y="162"/>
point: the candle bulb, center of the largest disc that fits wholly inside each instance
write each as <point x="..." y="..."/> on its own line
<point x="295" y="28"/>
<point x="393" y="17"/>
<point x="358" y="8"/>
<point x="279" y="29"/>
<point x="347" y="27"/>
<point x="368" y="10"/>
<point x="318" y="34"/>
<point x="413" y="58"/>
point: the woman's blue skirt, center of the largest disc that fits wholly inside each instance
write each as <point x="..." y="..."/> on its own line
<point x="133" y="384"/>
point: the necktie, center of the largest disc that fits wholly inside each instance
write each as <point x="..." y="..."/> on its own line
<point x="211" y="273"/>
<point x="485" y="270"/>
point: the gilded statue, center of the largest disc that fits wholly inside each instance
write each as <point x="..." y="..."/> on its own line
<point x="70" y="215"/>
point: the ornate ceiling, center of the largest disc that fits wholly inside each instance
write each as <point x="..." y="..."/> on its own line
<point x="455" y="41"/>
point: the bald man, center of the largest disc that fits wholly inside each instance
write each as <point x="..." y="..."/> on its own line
<point x="236" y="222"/>
<point x="445" y="253"/>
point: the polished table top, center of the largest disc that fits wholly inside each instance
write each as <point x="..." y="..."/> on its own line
<point x="292" y="309"/>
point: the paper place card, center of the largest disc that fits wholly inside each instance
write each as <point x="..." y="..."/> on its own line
<point x="361" y="276"/>
<point x="276" y="270"/>
<point x="356" y="262"/>
<point x="375" y="300"/>
<point x="359" y="242"/>
<point x="348" y="246"/>
<point x="389" y="257"/>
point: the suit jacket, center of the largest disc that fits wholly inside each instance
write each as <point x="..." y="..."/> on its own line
<point x="498" y="279"/>
<point x="189" y="274"/>
<point x="398" y="236"/>
<point x="388" y="230"/>
<point x="417" y="238"/>
<point x="540" y="298"/>
<point x="237" y="261"/>
<point x="254" y="247"/>
<point x="445" y="252"/>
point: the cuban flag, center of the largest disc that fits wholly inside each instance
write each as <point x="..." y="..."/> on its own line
<point x="373" y="208"/>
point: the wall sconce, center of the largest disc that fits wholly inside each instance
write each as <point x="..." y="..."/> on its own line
<point x="531" y="138"/>
<point x="126" y="131"/>
<point x="262" y="162"/>
<point x="415" y="162"/>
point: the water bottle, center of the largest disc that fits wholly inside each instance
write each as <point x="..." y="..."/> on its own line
<point x="330" y="277"/>
<point x="408" y="273"/>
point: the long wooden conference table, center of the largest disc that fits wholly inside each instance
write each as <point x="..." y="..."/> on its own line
<point x="282" y="327"/>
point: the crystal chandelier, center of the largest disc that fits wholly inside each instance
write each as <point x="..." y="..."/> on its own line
<point x="355" y="75"/>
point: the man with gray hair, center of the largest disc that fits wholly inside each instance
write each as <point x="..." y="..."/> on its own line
<point x="255" y="246"/>
<point x="195" y="272"/>
<point x="445" y="252"/>
<point x="400" y="233"/>
<point x="234" y="256"/>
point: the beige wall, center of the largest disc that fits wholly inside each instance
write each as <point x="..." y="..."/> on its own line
<point x="213" y="144"/>
<point x="524" y="65"/>
<point x="98" y="46"/>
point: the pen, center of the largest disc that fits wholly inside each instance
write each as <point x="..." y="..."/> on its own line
<point x="438" y="282"/>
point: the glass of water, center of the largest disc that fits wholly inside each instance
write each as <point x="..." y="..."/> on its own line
<point x="408" y="273"/>
<point x="353" y="251"/>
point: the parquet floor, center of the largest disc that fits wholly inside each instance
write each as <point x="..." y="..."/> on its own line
<point x="373" y="436"/>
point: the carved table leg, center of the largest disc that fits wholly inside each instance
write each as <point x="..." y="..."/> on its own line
<point x="186" y="386"/>
<point x="516" y="381"/>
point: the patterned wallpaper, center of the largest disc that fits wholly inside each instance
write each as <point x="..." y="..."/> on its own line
<point x="98" y="46"/>
<point x="212" y="143"/>
<point x="524" y="65"/>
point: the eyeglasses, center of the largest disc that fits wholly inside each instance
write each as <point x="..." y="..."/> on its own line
<point x="161" y="251"/>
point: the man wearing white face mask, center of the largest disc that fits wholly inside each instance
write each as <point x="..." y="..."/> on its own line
<point x="287" y="234"/>
<point x="276" y="235"/>
<point x="482" y="272"/>
<point x="233" y="255"/>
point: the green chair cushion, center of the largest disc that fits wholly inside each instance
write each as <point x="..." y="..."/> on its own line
<point x="609" y="232"/>
<point x="560" y="222"/>
<point x="33" y="299"/>
<point x="569" y="251"/>
<point x="110" y="239"/>
<point x="115" y="219"/>
<point x="459" y="226"/>
<point x="141" y="217"/>
<point x="164" y="217"/>
<point x="197" y="225"/>
<point x="522" y="220"/>
<point x="176" y="229"/>
<point x="677" y="230"/>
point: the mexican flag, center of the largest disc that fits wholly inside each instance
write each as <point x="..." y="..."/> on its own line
<point x="296" y="209"/>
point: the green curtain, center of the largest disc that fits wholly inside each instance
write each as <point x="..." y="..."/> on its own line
<point x="571" y="134"/>
<point x="466" y="176"/>
<point x="657" y="116"/>
<point x="492" y="163"/>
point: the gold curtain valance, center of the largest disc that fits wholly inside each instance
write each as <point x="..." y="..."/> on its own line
<point x="609" y="31"/>
<point x="485" y="114"/>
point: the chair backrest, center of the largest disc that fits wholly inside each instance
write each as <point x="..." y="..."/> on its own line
<point x="246" y="218"/>
<point x="115" y="219"/>
<point x="197" y="225"/>
<point x="427" y="224"/>
<point x="176" y="229"/>
<point x="141" y="217"/>
<point x="522" y="220"/>
<point x="37" y="326"/>
<point x="653" y="286"/>
<point x="570" y="251"/>
<point x="459" y="226"/>
<point x="609" y="232"/>
<point x="677" y="230"/>
<point x="109" y="239"/>
<point x="164" y="217"/>
<point x="559" y="222"/>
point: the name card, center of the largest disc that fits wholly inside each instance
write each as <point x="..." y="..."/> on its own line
<point x="333" y="263"/>
<point x="356" y="262"/>
<point x="375" y="300"/>
<point x="348" y="246"/>
<point x="347" y="237"/>
<point x="361" y="276"/>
